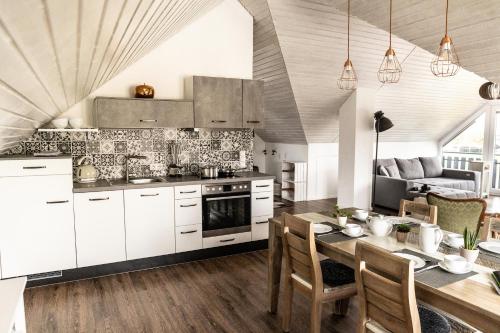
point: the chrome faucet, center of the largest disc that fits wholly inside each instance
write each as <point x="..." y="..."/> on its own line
<point x="127" y="158"/>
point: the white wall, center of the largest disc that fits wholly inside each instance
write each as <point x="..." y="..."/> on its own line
<point x="284" y="152"/>
<point x="322" y="172"/>
<point x="220" y="43"/>
<point x="259" y="159"/>
<point x="406" y="149"/>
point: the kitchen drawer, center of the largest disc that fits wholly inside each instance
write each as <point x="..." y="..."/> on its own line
<point x="188" y="238"/>
<point x="35" y="167"/>
<point x="223" y="240"/>
<point x="187" y="192"/>
<point x="264" y="185"/>
<point x="260" y="227"/>
<point x="262" y="204"/>
<point x="188" y="211"/>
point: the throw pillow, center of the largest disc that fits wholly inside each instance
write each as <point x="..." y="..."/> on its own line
<point x="410" y="168"/>
<point x="432" y="166"/>
<point x="393" y="171"/>
<point x="383" y="171"/>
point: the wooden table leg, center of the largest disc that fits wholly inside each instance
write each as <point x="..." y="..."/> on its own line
<point x="274" y="267"/>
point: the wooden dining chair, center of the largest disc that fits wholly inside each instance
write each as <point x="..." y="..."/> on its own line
<point x="455" y="214"/>
<point x="325" y="281"/>
<point x="386" y="293"/>
<point x="418" y="210"/>
<point x="491" y="228"/>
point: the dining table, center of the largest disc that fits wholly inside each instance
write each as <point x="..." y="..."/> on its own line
<point x="470" y="298"/>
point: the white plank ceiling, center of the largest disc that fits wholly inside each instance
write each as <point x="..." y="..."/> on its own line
<point x="56" y="52"/>
<point x="312" y="35"/>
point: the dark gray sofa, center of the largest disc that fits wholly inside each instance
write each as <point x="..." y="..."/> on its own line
<point x="417" y="172"/>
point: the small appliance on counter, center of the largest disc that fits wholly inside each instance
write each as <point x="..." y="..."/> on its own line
<point x="85" y="171"/>
<point x="175" y="170"/>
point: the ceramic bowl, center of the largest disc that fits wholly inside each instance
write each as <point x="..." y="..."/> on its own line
<point x="60" y="122"/>
<point x="455" y="263"/>
<point x="352" y="229"/>
<point x="455" y="240"/>
<point x="361" y="214"/>
<point x="76" y="122"/>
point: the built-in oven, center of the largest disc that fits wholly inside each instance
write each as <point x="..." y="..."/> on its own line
<point x="226" y="208"/>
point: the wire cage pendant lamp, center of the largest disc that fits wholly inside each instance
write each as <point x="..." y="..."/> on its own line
<point x="445" y="62"/>
<point x="348" y="79"/>
<point x="390" y="69"/>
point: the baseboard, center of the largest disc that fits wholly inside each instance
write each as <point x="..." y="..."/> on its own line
<point x="148" y="263"/>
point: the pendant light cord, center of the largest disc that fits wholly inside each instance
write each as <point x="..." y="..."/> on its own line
<point x="390" y="26"/>
<point x="348" y="26"/>
<point x="446" y="24"/>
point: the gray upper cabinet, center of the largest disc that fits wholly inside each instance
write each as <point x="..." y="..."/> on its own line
<point x="253" y="103"/>
<point x="217" y="102"/>
<point x="142" y="113"/>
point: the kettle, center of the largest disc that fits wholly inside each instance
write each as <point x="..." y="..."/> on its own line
<point x="85" y="171"/>
<point x="379" y="226"/>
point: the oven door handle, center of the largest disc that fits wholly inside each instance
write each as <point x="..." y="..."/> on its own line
<point x="230" y="197"/>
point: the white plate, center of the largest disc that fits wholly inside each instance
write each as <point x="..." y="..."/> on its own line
<point x="358" y="218"/>
<point x="321" y="228"/>
<point x="419" y="262"/>
<point x="491" y="246"/>
<point x="467" y="269"/>
<point x="345" y="233"/>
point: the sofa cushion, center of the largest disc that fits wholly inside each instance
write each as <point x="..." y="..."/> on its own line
<point x="393" y="171"/>
<point x="458" y="184"/>
<point x="384" y="162"/>
<point x="432" y="166"/>
<point x="382" y="171"/>
<point x="410" y="168"/>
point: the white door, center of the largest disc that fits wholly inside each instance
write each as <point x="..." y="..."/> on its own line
<point x="149" y="222"/>
<point x="37" y="225"/>
<point x="100" y="229"/>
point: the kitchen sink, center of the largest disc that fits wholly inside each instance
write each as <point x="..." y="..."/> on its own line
<point x="145" y="180"/>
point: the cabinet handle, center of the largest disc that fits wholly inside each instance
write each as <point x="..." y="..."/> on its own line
<point x="34" y="167"/>
<point x="261" y="185"/>
<point x="148" y="120"/>
<point x="253" y="122"/>
<point x="261" y="222"/>
<point x="227" y="240"/>
<point x="187" y="192"/>
<point x="219" y="121"/>
<point x="191" y="205"/>
<point x="188" y="232"/>
<point x="98" y="199"/>
<point x="262" y="198"/>
<point x="150" y="195"/>
<point x="57" y="202"/>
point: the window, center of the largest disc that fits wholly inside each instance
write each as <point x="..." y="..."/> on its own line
<point x="466" y="146"/>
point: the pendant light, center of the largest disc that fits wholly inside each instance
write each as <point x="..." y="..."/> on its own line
<point x="348" y="79"/>
<point x="390" y="69"/>
<point x="445" y="63"/>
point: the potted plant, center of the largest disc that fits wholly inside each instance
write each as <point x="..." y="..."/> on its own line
<point x="341" y="215"/>
<point x="469" y="251"/>
<point x="402" y="231"/>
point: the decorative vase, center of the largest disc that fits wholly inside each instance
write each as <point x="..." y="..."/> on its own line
<point x="144" y="91"/>
<point x="342" y="220"/>
<point x="469" y="255"/>
<point x="402" y="237"/>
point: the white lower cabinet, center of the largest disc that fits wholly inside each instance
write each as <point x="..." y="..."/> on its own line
<point x="260" y="227"/>
<point x="223" y="240"/>
<point x="149" y="222"/>
<point x="37" y="226"/>
<point x="100" y="228"/>
<point x="188" y="238"/>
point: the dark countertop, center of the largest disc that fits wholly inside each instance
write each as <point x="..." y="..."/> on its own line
<point x="120" y="184"/>
<point x="31" y="157"/>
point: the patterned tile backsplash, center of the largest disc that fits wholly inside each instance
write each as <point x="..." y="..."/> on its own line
<point x="108" y="148"/>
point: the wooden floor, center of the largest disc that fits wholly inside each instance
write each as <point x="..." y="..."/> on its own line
<point x="226" y="294"/>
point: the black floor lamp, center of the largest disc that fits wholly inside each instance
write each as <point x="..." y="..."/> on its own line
<point x="382" y="124"/>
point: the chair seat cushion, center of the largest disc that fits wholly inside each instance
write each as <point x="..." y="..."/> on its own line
<point x="431" y="321"/>
<point x="336" y="274"/>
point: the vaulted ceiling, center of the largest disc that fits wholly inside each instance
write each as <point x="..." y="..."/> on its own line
<point x="299" y="49"/>
<point x="56" y="52"/>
